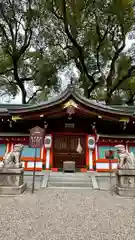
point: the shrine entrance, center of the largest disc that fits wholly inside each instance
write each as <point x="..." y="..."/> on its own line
<point x="68" y="147"/>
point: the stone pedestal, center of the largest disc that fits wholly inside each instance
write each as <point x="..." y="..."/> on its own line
<point x="69" y="166"/>
<point x="11" y="181"/>
<point x="125" y="182"/>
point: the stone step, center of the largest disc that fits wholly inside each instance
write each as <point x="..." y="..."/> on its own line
<point x="70" y="184"/>
<point x="63" y="174"/>
<point x="75" y="188"/>
<point x="69" y="179"/>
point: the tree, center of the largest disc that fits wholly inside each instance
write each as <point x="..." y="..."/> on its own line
<point x="42" y="39"/>
<point x="25" y="61"/>
<point x="94" y="36"/>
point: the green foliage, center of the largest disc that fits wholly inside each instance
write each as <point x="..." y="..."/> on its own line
<point x="27" y="58"/>
<point x="41" y="39"/>
<point x="96" y="32"/>
<point x="131" y="84"/>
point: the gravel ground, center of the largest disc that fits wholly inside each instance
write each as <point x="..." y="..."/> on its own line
<point x="67" y="214"/>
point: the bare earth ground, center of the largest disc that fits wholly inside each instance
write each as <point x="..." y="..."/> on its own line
<point x="67" y="214"/>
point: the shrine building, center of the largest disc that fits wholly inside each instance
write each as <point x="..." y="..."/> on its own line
<point x="76" y="129"/>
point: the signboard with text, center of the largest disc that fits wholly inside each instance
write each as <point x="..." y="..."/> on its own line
<point x="36" y="138"/>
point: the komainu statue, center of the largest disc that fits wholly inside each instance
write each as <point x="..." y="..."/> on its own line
<point x="12" y="159"/>
<point x="126" y="159"/>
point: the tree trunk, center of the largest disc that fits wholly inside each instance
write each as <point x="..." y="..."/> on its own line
<point x="86" y="93"/>
<point x="24" y="95"/>
<point x="19" y="82"/>
<point x="108" y="98"/>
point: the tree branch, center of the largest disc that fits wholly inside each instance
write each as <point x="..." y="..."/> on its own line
<point x="19" y="82"/>
<point x="91" y="89"/>
<point x="74" y="42"/>
<point x="6" y="37"/>
<point x="55" y="14"/>
<point x="12" y="5"/>
<point x="8" y="22"/>
<point x="34" y="94"/>
<point x="26" y="79"/>
<point x="6" y="71"/>
<point x="128" y="75"/>
<point x="101" y="39"/>
<point x="112" y="67"/>
<point x="131" y="96"/>
<point x="26" y="42"/>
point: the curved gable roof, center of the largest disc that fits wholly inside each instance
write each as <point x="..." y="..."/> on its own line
<point x="69" y="92"/>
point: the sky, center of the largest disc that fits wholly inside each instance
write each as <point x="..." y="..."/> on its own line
<point x="64" y="79"/>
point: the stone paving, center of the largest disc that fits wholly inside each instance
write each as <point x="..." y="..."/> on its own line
<point x="67" y="215"/>
<point x="105" y="183"/>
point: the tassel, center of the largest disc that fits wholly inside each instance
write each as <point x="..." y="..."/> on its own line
<point x="79" y="147"/>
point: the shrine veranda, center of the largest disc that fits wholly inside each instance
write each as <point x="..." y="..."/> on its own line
<point x="76" y="129"/>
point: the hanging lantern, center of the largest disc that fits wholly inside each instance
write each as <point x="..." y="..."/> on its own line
<point x="91" y="142"/>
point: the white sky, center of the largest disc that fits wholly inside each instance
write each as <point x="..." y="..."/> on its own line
<point x="64" y="78"/>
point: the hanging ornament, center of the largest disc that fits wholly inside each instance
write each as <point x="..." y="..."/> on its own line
<point x="124" y="121"/>
<point x="45" y="125"/>
<point x="124" y="125"/>
<point x="79" y="147"/>
<point x="10" y="124"/>
<point x="70" y="110"/>
<point x="70" y="103"/>
<point x="70" y="107"/>
<point x="94" y="131"/>
<point x="97" y="138"/>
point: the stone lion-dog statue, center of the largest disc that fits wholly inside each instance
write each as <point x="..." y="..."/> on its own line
<point x="126" y="159"/>
<point x="13" y="158"/>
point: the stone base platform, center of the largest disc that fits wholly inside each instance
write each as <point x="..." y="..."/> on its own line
<point x="125" y="182"/>
<point x="11" y="181"/>
<point x="14" y="190"/>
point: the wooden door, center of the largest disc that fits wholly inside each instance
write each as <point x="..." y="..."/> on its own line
<point x="65" y="149"/>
